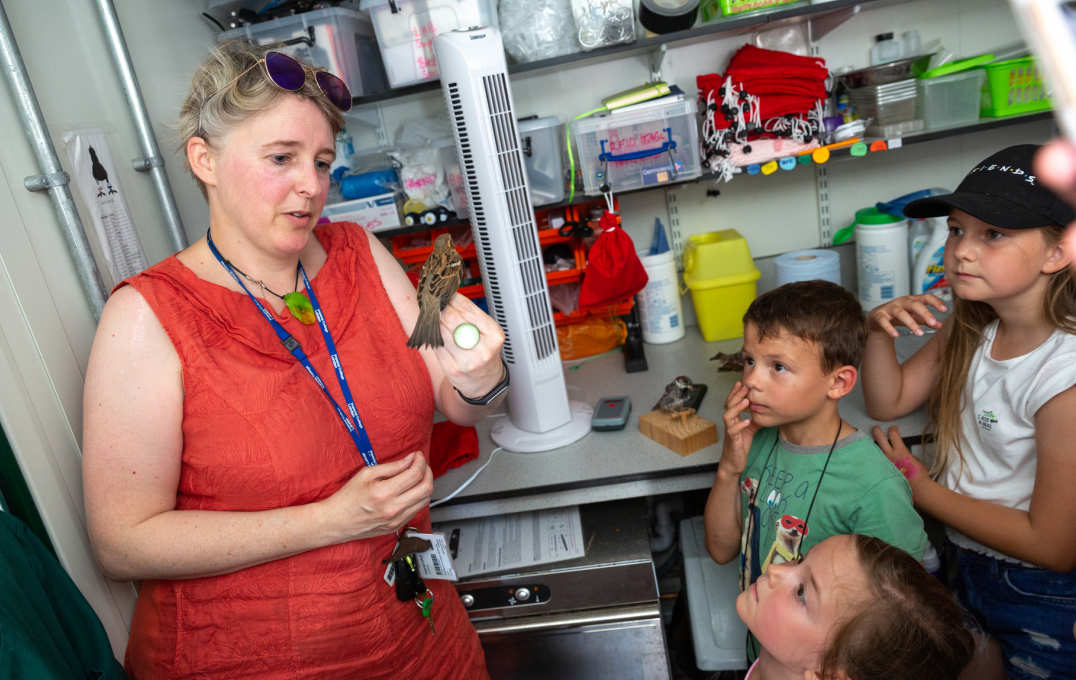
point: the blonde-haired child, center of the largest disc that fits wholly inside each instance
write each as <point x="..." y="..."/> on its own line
<point x="999" y="380"/>
<point x="855" y="608"/>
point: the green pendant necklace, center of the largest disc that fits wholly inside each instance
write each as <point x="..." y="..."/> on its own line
<point x="297" y="301"/>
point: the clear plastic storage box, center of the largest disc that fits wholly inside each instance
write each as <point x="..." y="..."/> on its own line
<point x="646" y="144"/>
<point x="338" y="39"/>
<point x="542" y="157"/>
<point x="405" y="31"/>
<point x="951" y="100"/>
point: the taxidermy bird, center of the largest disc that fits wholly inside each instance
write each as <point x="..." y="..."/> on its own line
<point x="99" y="173"/>
<point x="676" y="397"/>
<point x="436" y="285"/>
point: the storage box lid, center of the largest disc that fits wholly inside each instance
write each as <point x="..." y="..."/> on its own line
<point x="299" y="22"/>
<point x="718" y="258"/>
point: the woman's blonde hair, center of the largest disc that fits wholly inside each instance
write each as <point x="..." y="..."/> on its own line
<point x="965" y="334"/>
<point x="220" y="98"/>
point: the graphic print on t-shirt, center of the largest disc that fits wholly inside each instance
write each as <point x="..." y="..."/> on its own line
<point x="987" y="419"/>
<point x="770" y="513"/>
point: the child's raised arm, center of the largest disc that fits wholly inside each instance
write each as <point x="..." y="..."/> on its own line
<point x="892" y="390"/>
<point x="722" y="515"/>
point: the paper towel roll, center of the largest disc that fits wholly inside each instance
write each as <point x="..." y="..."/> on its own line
<point x="805" y="265"/>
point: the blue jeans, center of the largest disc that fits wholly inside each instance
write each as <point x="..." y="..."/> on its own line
<point x="1031" y="612"/>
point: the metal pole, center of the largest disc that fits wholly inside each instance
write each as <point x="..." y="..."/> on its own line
<point x="53" y="179"/>
<point x="151" y="160"/>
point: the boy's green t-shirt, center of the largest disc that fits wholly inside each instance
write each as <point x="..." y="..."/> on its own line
<point x="862" y="493"/>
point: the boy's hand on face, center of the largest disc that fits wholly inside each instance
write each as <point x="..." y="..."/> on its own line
<point x="894" y="448"/>
<point x="738" y="432"/>
<point x="909" y="311"/>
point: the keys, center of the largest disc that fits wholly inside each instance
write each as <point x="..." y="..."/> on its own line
<point x="409" y="585"/>
<point x="425" y="604"/>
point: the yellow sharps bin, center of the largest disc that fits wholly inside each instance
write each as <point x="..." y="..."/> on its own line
<point x="722" y="278"/>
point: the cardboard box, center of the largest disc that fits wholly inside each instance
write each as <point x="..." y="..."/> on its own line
<point x="374" y="213"/>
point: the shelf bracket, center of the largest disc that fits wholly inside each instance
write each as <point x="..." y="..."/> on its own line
<point x="825" y="225"/>
<point x="657" y="58"/>
<point x="820" y="26"/>
<point x="674" y="231"/>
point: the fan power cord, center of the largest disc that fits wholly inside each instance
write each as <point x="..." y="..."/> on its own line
<point x="470" y="479"/>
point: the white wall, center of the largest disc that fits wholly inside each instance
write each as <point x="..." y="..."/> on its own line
<point x="47" y="326"/>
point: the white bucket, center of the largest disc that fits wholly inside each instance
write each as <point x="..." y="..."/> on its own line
<point x="882" y="262"/>
<point x="807" y="265"/>
<point x="660" y="311"/>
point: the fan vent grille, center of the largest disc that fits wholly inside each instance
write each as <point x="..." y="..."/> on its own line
<point x="478" y="214"/>
<point x="521" y="217"/>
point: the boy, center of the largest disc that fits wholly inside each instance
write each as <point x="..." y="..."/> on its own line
<point x="795" y="473"/>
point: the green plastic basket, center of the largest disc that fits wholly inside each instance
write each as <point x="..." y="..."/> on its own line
<point x="1013" y="87"/>
<point x="712" y="9"/>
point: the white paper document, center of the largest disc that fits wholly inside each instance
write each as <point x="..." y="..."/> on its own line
<point x="522" y="539"/>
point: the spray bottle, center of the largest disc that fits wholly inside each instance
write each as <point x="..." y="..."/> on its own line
<point x="928" y="274"/>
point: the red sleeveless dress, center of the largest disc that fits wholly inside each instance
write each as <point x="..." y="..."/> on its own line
<point x="258" y="434"/>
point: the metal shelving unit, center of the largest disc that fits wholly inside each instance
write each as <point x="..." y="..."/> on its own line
<point x="823" y="16"/>
<point x="836" y="155"/>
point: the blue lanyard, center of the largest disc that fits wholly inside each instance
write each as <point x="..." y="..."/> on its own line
<point x="356" y="429"/>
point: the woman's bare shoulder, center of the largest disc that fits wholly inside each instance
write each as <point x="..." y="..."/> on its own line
<point x="129" y="330"/>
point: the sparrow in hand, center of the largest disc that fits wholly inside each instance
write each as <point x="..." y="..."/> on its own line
<point x="676" y="397"/>
<point x="436" y="285"/>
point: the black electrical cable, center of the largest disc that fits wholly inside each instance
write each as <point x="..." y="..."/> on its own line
<point x="212" y="18"/>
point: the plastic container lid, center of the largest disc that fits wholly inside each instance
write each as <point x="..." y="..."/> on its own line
<point x="957" y="66"/>
<point x="874" y="216"/>
<point x="871" y="216"/>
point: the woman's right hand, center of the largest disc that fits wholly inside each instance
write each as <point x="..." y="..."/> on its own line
<point x="909" y="311"/>
<point x="379" y="499"/>
<point x="738" y="432"/>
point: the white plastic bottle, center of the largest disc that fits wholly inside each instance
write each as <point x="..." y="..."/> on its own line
<point x="928" y="274"/>
<point x="918" y="235"/>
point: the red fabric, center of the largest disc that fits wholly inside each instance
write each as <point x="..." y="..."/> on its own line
<point x="259" y="434"/>
<point x="451" y="446"/>
<point x="785" y="83"/>
<point x="614" y="272"/>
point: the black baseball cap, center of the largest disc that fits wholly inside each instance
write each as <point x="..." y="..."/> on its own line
<point x="1002" y="191"/>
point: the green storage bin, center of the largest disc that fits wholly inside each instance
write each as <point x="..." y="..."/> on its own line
<point x="1012" y="87"/>
<point x="712" y="9"/>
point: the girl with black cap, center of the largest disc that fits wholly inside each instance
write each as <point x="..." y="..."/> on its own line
<point x="999" y="380"/>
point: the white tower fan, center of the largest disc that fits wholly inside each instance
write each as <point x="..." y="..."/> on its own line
<point x="474" y="79"/>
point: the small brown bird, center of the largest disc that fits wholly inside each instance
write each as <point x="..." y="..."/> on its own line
<point x="676" y="397"/>
<point x="438" y="283"/>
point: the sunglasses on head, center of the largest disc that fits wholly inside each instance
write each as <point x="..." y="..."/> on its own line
<point x="288" y="74"/>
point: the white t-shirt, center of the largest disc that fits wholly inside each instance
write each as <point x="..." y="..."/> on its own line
<point x="998" y="422"/>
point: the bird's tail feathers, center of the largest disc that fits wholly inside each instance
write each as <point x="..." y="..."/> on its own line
<point x="428" y="328"/>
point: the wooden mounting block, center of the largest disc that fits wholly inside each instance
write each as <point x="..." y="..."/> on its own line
<point x="684" y="433"/>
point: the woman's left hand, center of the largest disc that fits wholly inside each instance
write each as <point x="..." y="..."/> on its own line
<point x="477" y="370"/>
<point x="894" y="448"/>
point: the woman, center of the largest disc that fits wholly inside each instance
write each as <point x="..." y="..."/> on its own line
<point x="216" y="470"/>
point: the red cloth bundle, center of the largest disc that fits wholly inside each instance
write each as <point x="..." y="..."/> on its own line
<point x="784" y="83"/>
<point x="451" y="446"/>
<point x="613" y="271"/>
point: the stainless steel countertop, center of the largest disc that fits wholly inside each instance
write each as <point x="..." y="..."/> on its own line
<point x="622" y="464"/>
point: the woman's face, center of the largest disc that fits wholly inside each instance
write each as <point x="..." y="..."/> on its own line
<point x="792" y="608"/>
<point x="271" y="175"/>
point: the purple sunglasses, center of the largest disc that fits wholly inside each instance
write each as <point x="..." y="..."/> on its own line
<point x="288" y="74"/>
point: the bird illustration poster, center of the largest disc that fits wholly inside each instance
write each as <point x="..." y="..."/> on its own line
<point x="94" y="174"/>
